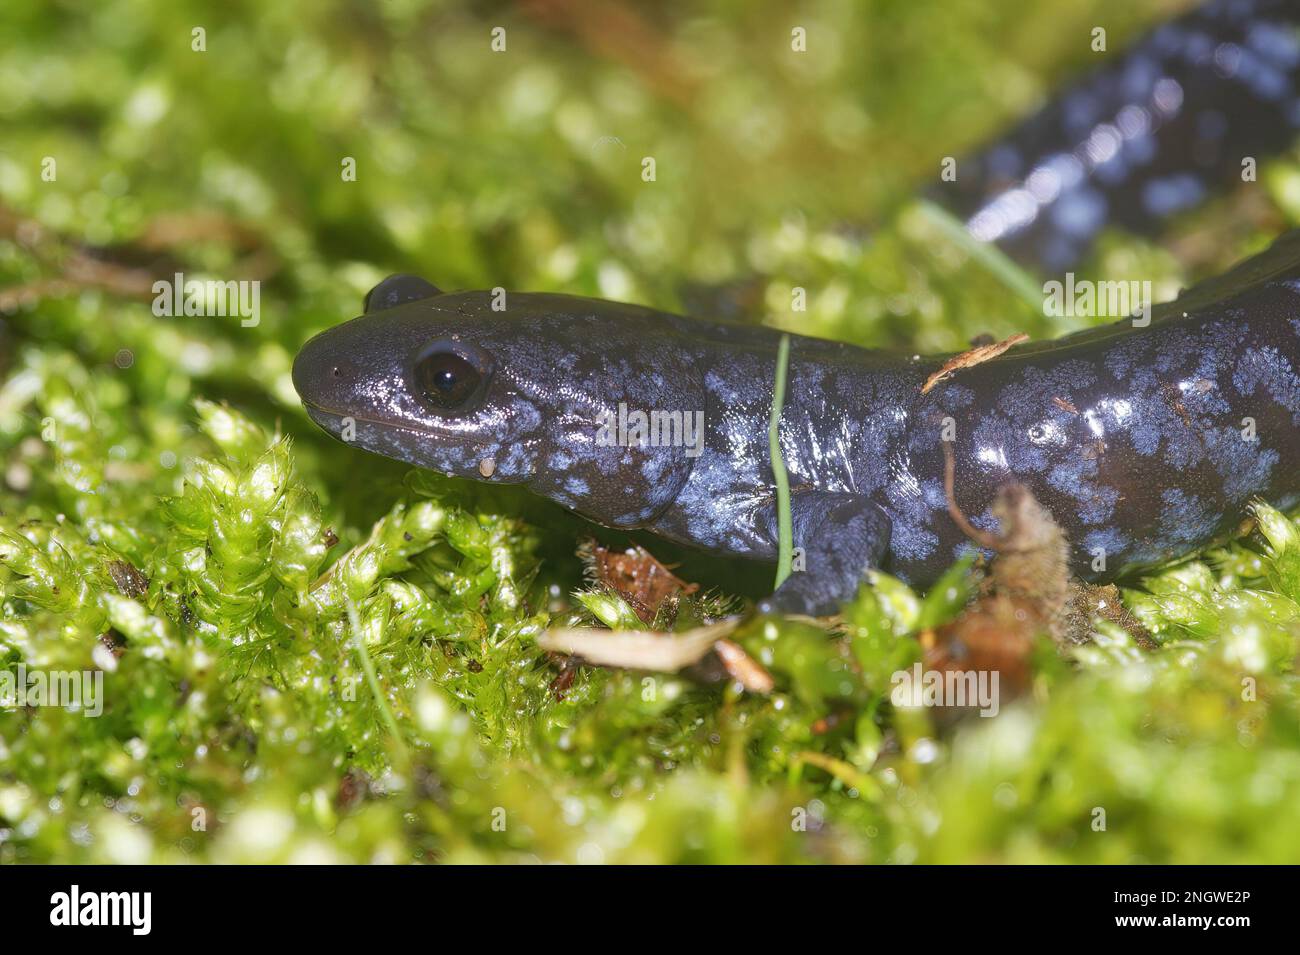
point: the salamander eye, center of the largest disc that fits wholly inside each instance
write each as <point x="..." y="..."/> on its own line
<point x="397" y="290"/>
<point x="450" y="376"/>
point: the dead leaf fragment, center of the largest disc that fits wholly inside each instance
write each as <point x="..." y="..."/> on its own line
<point x="638" y="649"/>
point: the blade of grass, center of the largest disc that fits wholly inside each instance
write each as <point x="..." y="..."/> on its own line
<point x="785" y="541"/>
<point x="986" y="254"/>
<point x="380" y="701"/>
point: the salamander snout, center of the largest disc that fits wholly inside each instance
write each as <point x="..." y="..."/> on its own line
<point x="321" y="372"/>
<point x="440" y="381"/>
<point x="336" y="370"/>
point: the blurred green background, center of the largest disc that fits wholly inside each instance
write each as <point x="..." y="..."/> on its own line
<point x="522" y="168"/>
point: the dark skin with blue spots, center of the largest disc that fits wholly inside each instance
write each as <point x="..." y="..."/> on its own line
<point x="1145" y="443"/>
<point x="1144" y="136"/>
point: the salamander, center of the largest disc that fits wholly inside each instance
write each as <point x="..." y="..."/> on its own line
<point x="1145" y="441"/>
<point x="1143" y="137"/>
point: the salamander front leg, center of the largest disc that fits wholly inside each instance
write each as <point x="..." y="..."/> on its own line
<point x="839" y="538"/>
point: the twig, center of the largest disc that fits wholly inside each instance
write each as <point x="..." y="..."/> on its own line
<point x="981" y="537"/>
<point x="972" y="357"/>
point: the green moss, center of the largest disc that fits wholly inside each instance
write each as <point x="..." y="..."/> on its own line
<point x="240" y="722"/>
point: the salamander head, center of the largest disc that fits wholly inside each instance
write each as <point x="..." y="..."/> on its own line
<point x="509" y="387"/>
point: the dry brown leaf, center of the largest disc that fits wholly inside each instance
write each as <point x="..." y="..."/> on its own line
<point x="636" y="576"/>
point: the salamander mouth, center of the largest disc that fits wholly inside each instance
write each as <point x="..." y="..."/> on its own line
<point x="411" y="444"/>
<point x="332" y="421"/>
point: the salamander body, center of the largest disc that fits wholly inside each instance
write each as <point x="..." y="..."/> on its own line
<point x="1142" y="137"/>
<point x="1145" y="441"/>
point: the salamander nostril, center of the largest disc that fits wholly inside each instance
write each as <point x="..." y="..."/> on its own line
<point x="336" y="371"/>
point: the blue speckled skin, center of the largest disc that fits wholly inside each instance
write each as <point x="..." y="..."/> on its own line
<point x="1148" y="134"/>
<point x="1135" y="438"/>
<point x="1145" y="443"/>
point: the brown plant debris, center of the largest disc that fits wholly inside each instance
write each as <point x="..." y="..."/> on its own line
<point x="1023" y="598"/>
<point x="1090" y="601"/>
<point x="636" y="576"/>
<point x="652" y="590"/>
<point x="130" y="582"/>
<point x="1028" y="594"/>
<point x="971" y="357"/>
